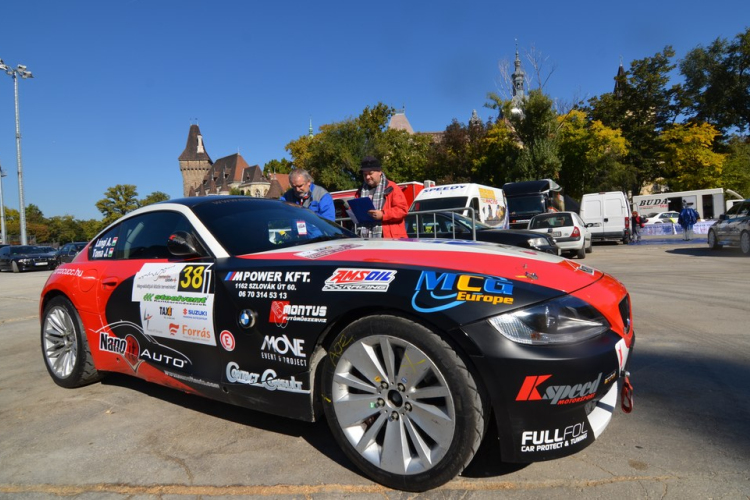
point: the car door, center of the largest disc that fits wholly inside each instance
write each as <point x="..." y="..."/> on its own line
<point x="157" y="310"/>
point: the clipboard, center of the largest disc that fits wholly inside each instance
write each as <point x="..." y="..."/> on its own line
<point x="358" y="208"/>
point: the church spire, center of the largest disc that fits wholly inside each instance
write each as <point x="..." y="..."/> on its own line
<point x="310" y="130"/>
<point x="519" y="80"/>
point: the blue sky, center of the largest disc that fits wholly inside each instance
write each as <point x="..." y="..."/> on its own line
<point x="118" y="83"/>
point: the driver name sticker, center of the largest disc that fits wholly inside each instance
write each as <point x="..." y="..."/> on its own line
<point x="176" y="301"/>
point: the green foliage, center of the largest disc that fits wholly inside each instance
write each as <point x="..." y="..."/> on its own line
<point x="154" y="197"/>
<point x="736" y="172"/>
<point x="120" y="200"/>
<point x="282" y="166"/>
<point x="689" y="161"/>
<point x="717" y="83"/>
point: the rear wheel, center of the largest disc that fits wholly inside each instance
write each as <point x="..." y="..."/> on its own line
<point x="581" y="252"/>
<point x="401" y="403"/>
<point x="64" y="347"/>
<point x="590" y="248"/>
<point x="745" y="242"/>
<point x="713" y="242"/>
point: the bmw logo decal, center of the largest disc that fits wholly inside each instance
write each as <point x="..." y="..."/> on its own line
<point x="247" y="318"/>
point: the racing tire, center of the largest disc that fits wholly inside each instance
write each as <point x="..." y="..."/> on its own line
<point x="745" y="243"/>
<point x="581" y="252"/>
<point x="64" y="346"/>
<point x="14" y="267"/>
<point x="401" y="403"/>
<point x="713" y="242"/>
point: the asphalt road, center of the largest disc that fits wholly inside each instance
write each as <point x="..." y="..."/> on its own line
<point x="688" y="436"/>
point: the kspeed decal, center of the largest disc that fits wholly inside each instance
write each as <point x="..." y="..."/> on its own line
<point x="282" y="312"/>
<point x="554" y="439"/>
<point x="359" y="280"/>
<point x="267" y="380"/>
<point x="176" y="301"/>
<point x="557" y="394"/>
<point x="440" y="291"/>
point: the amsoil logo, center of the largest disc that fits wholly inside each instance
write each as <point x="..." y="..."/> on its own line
<point x="557" y="394"/>
<point x="359" y="280"/>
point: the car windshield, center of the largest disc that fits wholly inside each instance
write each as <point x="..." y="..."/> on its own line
<point x="250" y="225"/>
<point x="526" y="204"/>
<point x="27" y="249"/>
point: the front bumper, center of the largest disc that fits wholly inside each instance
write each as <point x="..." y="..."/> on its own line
<point x="549" y="402"/>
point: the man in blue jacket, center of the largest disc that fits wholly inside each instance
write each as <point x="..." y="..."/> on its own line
<point x="688" y="217"/>
<point x="306" y="194"/>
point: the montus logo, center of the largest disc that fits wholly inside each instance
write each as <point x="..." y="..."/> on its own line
<point x="557" y="394"/>
<point x="453" y="289"/>
<point x="360" y="280"/>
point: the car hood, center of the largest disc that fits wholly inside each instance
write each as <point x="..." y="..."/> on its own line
<point x="466" y="256"/>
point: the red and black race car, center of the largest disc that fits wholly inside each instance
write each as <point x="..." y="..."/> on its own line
<point x="410" y="348"/>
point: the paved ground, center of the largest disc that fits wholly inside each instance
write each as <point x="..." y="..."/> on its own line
<point x="689" y="436"/>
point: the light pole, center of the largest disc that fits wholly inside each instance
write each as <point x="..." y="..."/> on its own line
<point x="2" y="207"/>
<point x="21" y="71"/>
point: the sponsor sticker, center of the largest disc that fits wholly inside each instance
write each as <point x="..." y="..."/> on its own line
<point x="176" y="301"/>
<point x="282" y="312"/>
<point x="267" y="380"/>
<point x="326" y="251"/>
<point x="553" y="439"/>
<point x="359" y="280"/>
<point x="290" y="351"/>
<point x="437" y="291"/>
<point x="227" y="340"/>
<point x="557" y="394"/>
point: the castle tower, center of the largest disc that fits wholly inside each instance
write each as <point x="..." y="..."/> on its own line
<point x="194" y="161"/>
<point x="519" y="79"/>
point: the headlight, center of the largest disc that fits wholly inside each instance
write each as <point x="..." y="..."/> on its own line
<point x="566" y="320"/>
<point x="24" y="261"/>
<point x="537" y="242"/>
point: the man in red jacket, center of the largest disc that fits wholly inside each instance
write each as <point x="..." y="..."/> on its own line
<point x="387" y="198"/>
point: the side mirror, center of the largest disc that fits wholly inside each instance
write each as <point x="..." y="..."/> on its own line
<point x="723" y="217"/>
<point x="184" y="244"/>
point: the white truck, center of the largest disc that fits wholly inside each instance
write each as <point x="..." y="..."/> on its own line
<point x="710" y="203"/>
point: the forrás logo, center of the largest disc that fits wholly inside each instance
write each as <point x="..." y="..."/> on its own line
<point x="359" y="280"/>
<point x="174" y="328"/>
<point x="557" y="394"/>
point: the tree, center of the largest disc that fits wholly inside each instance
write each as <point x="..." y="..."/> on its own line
<point x="643" y="106"/>
<point x="154" y="197"/>
<point x="689" y="161"/>
<point x="120" y="200"/>
<point x="591" y="155"/>
<point x="536" y="127"/>
<point x="717" y="83"/>
<point x="736" y="172"/>
<point x="282" y="166"/>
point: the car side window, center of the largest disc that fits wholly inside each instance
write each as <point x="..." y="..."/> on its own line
<point x="141" y="237"/>
<point x="146" y="236"/>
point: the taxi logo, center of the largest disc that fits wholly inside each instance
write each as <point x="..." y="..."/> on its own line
<point x="359" y="280"/>
<point x="440" y="291"/>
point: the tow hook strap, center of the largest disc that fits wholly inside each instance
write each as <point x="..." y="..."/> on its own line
<point x="626" y="396"/>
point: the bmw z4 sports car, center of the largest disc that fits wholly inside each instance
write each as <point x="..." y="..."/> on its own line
<point x="411" y="349"/>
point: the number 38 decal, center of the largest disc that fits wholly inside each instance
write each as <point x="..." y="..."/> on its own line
<point x="195" y="278"/>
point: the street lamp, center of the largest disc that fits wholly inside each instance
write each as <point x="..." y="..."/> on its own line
<point x="21" y="71"/>
<point x="2" y="208"/>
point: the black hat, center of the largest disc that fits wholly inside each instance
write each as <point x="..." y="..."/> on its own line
<point x="370" y="163"/>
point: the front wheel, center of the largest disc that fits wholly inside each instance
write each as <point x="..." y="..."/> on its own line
<point x="401" y="403"/>
<point x="14" y="267"/>
<point x="66" y="352"/>
<point x="745" y="242"/>
<point x="713" y="242"/>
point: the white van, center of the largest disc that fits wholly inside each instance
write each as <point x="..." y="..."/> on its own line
<point x="489" y="203"/>
<point x="609" y="215"/>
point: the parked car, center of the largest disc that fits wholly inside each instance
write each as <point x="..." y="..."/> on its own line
<point x="661" y="218"/>
<point x="19" y="258"/>
<point x="68" y="251"/>
<point x="455" y="226"/>
<point x="571" y="234"/>
<point x="409" y="348"/>
<point x="732" y="229"/>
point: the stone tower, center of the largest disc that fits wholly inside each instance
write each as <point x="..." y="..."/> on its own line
<point x="194" y="161"/>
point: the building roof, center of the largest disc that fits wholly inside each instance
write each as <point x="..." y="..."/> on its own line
<point x="195" y="150"/>
<point x="399" y="122"/>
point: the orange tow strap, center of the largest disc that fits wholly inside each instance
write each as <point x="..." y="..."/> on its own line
<point x="626" y="396"/>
